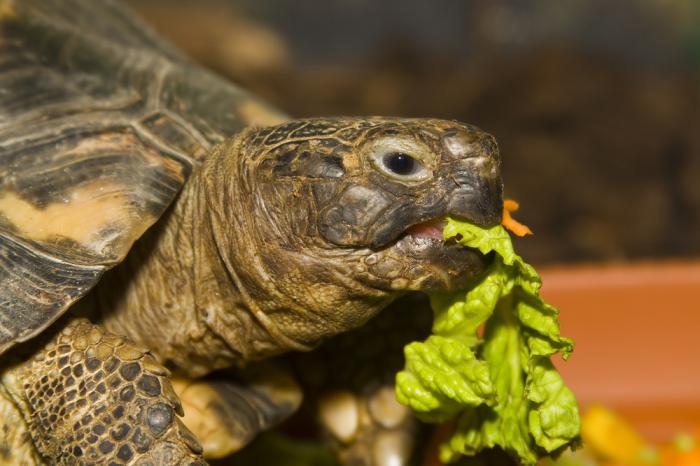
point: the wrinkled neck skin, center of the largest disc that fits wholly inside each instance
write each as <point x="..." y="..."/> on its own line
<point x="224" y="278"/>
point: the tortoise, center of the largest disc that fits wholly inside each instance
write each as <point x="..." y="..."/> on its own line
<point x="169" y="240"/>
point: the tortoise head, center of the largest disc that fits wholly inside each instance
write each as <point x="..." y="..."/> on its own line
<point x="346" y="213"/>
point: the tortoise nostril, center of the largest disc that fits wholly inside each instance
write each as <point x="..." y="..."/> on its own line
<point x="463" y="180"/>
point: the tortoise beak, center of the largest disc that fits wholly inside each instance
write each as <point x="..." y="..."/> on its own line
<point x="478" y="195"/>
<point x="478" y="199"/>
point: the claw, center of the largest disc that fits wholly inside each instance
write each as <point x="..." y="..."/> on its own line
<point x="339" y="413"/>
<point x="385" y="410"/>
<point x="392" y="448"/>
<point x="370" y="429"/>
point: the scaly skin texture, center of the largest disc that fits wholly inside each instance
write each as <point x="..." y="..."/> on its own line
<point x="283" y="238"/>
<point x="291" y="234"/>
<point x="16" y="447"/>
<point x="89" y="397"/>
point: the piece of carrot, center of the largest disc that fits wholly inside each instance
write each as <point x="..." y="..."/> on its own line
<point x="518" y="229"/>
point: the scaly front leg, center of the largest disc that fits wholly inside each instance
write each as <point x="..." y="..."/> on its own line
<point x="89" y="397"/>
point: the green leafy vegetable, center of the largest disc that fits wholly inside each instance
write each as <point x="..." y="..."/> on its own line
<point x="502" y="387"/>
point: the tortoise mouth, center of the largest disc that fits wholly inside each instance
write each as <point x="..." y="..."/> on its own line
<point x="452" y="266"/>
<point x="430" y="229"/>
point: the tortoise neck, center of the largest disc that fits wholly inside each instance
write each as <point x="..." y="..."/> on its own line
<point x="178" y="295"/>
<point x="226" y="276"/>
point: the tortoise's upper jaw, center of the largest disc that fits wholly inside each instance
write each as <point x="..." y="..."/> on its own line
<point x="466" y="186"/>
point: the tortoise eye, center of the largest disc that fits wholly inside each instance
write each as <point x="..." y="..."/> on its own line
<point x="402" y="160"/>
<point x="400" y="163"/>
<point x="402" y="166"/>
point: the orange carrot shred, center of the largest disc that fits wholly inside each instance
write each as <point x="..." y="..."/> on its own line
<point x="510" y="223"/>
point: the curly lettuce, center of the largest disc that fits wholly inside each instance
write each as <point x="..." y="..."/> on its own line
<point x="501" y="387"/>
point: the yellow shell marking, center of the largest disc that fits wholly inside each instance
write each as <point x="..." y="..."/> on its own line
<point x="83" y="216"/>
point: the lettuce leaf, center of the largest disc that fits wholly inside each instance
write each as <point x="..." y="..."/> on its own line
<point x="502" y="388"/>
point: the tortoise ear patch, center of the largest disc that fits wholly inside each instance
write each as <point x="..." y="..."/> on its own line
<point x="347" y="222"/>
<point x="306" y="163"/>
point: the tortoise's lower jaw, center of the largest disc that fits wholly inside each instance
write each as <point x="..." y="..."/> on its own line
<point x="424" y="262"/>
<point x="440" y="265"/>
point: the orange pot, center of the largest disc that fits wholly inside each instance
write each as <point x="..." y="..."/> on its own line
<point x="637" y="333"/>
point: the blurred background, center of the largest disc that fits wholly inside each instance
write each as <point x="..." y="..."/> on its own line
<point x="595" y="103"/>
<point x="596" y="107"/>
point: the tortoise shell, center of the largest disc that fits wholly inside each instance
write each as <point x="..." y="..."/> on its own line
<point x="101" y="123"/>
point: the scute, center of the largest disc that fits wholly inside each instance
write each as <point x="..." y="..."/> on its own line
<point x="31" y="280"/>
<point x="101" y="123"/>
